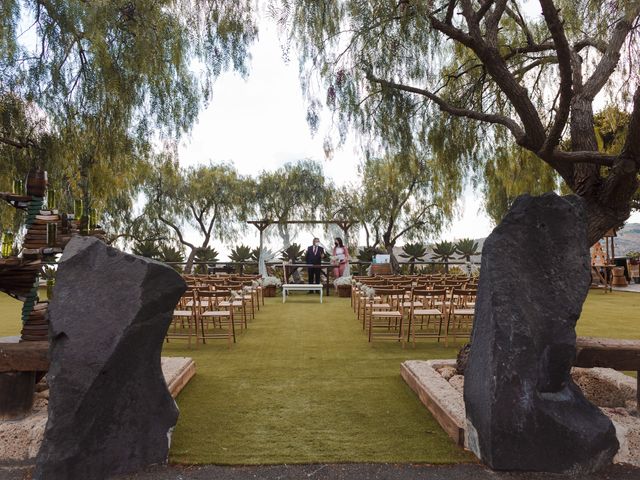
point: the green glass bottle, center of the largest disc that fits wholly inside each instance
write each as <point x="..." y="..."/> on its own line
<point x="52" y="234"/>
<point x="7" y="243"/>
<point x="77" y="209"/>
<point x="93" y="219"/>
<point x="18" y="186"/>
<point x="51" y="282"/>
<point x="52" y="201"/>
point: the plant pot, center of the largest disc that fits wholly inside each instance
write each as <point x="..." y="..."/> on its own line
<point x="344" y="291"/>
<point x="269" y="291"/>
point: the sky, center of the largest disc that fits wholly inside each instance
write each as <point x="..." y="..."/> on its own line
<point x="259" y="123"/>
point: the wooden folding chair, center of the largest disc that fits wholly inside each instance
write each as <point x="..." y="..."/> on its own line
<point x="238" y="302"/>
<point x="460" y="314"/>
<point x="215" y="316"/>
<point x="184" y="324"/>
<point x="387" y="321"/>
<point x="429" y="305"/>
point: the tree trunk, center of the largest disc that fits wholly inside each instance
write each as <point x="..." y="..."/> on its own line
<point x="395" y="266"/>
<point x="608" y="199"/>
<point x="189" y="265"/>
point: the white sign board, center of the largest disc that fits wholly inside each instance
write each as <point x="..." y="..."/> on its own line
<point x="382" y="259"/>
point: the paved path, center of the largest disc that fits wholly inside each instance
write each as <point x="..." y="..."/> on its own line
<point x="357" y="471"/>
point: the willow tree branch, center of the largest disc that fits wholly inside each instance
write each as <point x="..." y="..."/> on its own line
<point x="631" y="147"/>
<point x="594" y="158"/>
<point x="496" y="67"/>
<point x="515" y="129"/>
<point x="15" y="143"/>
<point x="611" y="56"/>
<point x="563" y="50"/>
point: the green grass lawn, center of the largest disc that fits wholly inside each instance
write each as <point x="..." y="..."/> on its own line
<point x="304" y="385"/>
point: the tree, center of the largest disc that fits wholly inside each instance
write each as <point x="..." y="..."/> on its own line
<point x="457" y="77"/>
<point x="296" y="191"/>
<point x="401" y="200"/>
<point x="211" y="199"/>
<point x="514" y="170"/>
<point x="444" y="251"/>
<point x="413" y="252"/>
<point x="97" y="80"/>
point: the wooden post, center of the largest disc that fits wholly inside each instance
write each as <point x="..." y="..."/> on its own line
<point x="16" y="394"/>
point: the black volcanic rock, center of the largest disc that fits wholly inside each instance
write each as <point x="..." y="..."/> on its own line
<point x="524" y="411"/>
<point x="110" y="411"/>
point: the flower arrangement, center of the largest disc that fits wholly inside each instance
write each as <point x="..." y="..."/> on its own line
<point x="342" y="281"/>
<point x="271" y="282"/>
<point x="343" y="284"/>
<point x="269" y="285"/>
<point x="368" y="292"/>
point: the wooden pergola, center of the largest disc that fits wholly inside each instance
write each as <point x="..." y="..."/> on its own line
<point x="262" y="225"/>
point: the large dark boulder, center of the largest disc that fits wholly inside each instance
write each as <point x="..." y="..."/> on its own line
<point x="523" y="410"/>
<point x="109" y="408"/>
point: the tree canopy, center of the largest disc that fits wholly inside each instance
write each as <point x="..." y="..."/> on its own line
<point x="210" y="200"/>
<point x="401" y="199"/>
<point x="86" y="87"/>
<point x="455" y="78"/>
<point x="295" y="191"/>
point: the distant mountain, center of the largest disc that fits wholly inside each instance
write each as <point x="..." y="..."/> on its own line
<point x="628" y="240"/>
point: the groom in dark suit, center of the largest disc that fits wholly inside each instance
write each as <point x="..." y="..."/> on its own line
<point x="314" y="257"/>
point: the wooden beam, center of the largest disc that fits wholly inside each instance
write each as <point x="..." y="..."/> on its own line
<point x="24" y="357"/>
<point x="607" y="352"/>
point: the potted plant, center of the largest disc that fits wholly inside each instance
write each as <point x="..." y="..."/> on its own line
<point x="269" y="285"/>
<point x="343" y="285"/>
<point x="634" y="266"/>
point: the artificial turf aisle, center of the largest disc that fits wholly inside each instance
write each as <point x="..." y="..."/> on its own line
<point x="303" y="385"/>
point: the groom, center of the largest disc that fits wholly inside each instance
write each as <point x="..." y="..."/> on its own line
<point x="314" y="257"/>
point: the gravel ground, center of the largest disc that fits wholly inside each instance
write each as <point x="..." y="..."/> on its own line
<point x="357" y="471"/>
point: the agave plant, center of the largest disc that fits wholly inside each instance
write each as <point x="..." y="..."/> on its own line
<point x="205" y="254"/>
<point x="444" y="251"/>
<point x="467" y="248"/>
<point x="413" y="252"/>
<point x="241" y="254"/>
<point x="146" y="248"/>
<point x="292" y="253"/>
<point x="267" y="254"/>
<point x="169" y="254"/>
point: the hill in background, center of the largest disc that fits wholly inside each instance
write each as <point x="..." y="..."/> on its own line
<point x="628" y="240"/>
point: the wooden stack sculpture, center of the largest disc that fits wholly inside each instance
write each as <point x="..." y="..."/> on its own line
<point x="48" y="231"/>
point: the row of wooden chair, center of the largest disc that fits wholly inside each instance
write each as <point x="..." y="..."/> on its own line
<point x="407" y="312"/>
<point x="214" y="308"/>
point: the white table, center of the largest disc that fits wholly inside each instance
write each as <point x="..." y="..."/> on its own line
<point x="292" y="287"/>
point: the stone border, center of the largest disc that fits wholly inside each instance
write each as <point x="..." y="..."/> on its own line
<point x="443" y="401"/>
<point x="20" y="439"/>
<point x="446" y="404"/>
